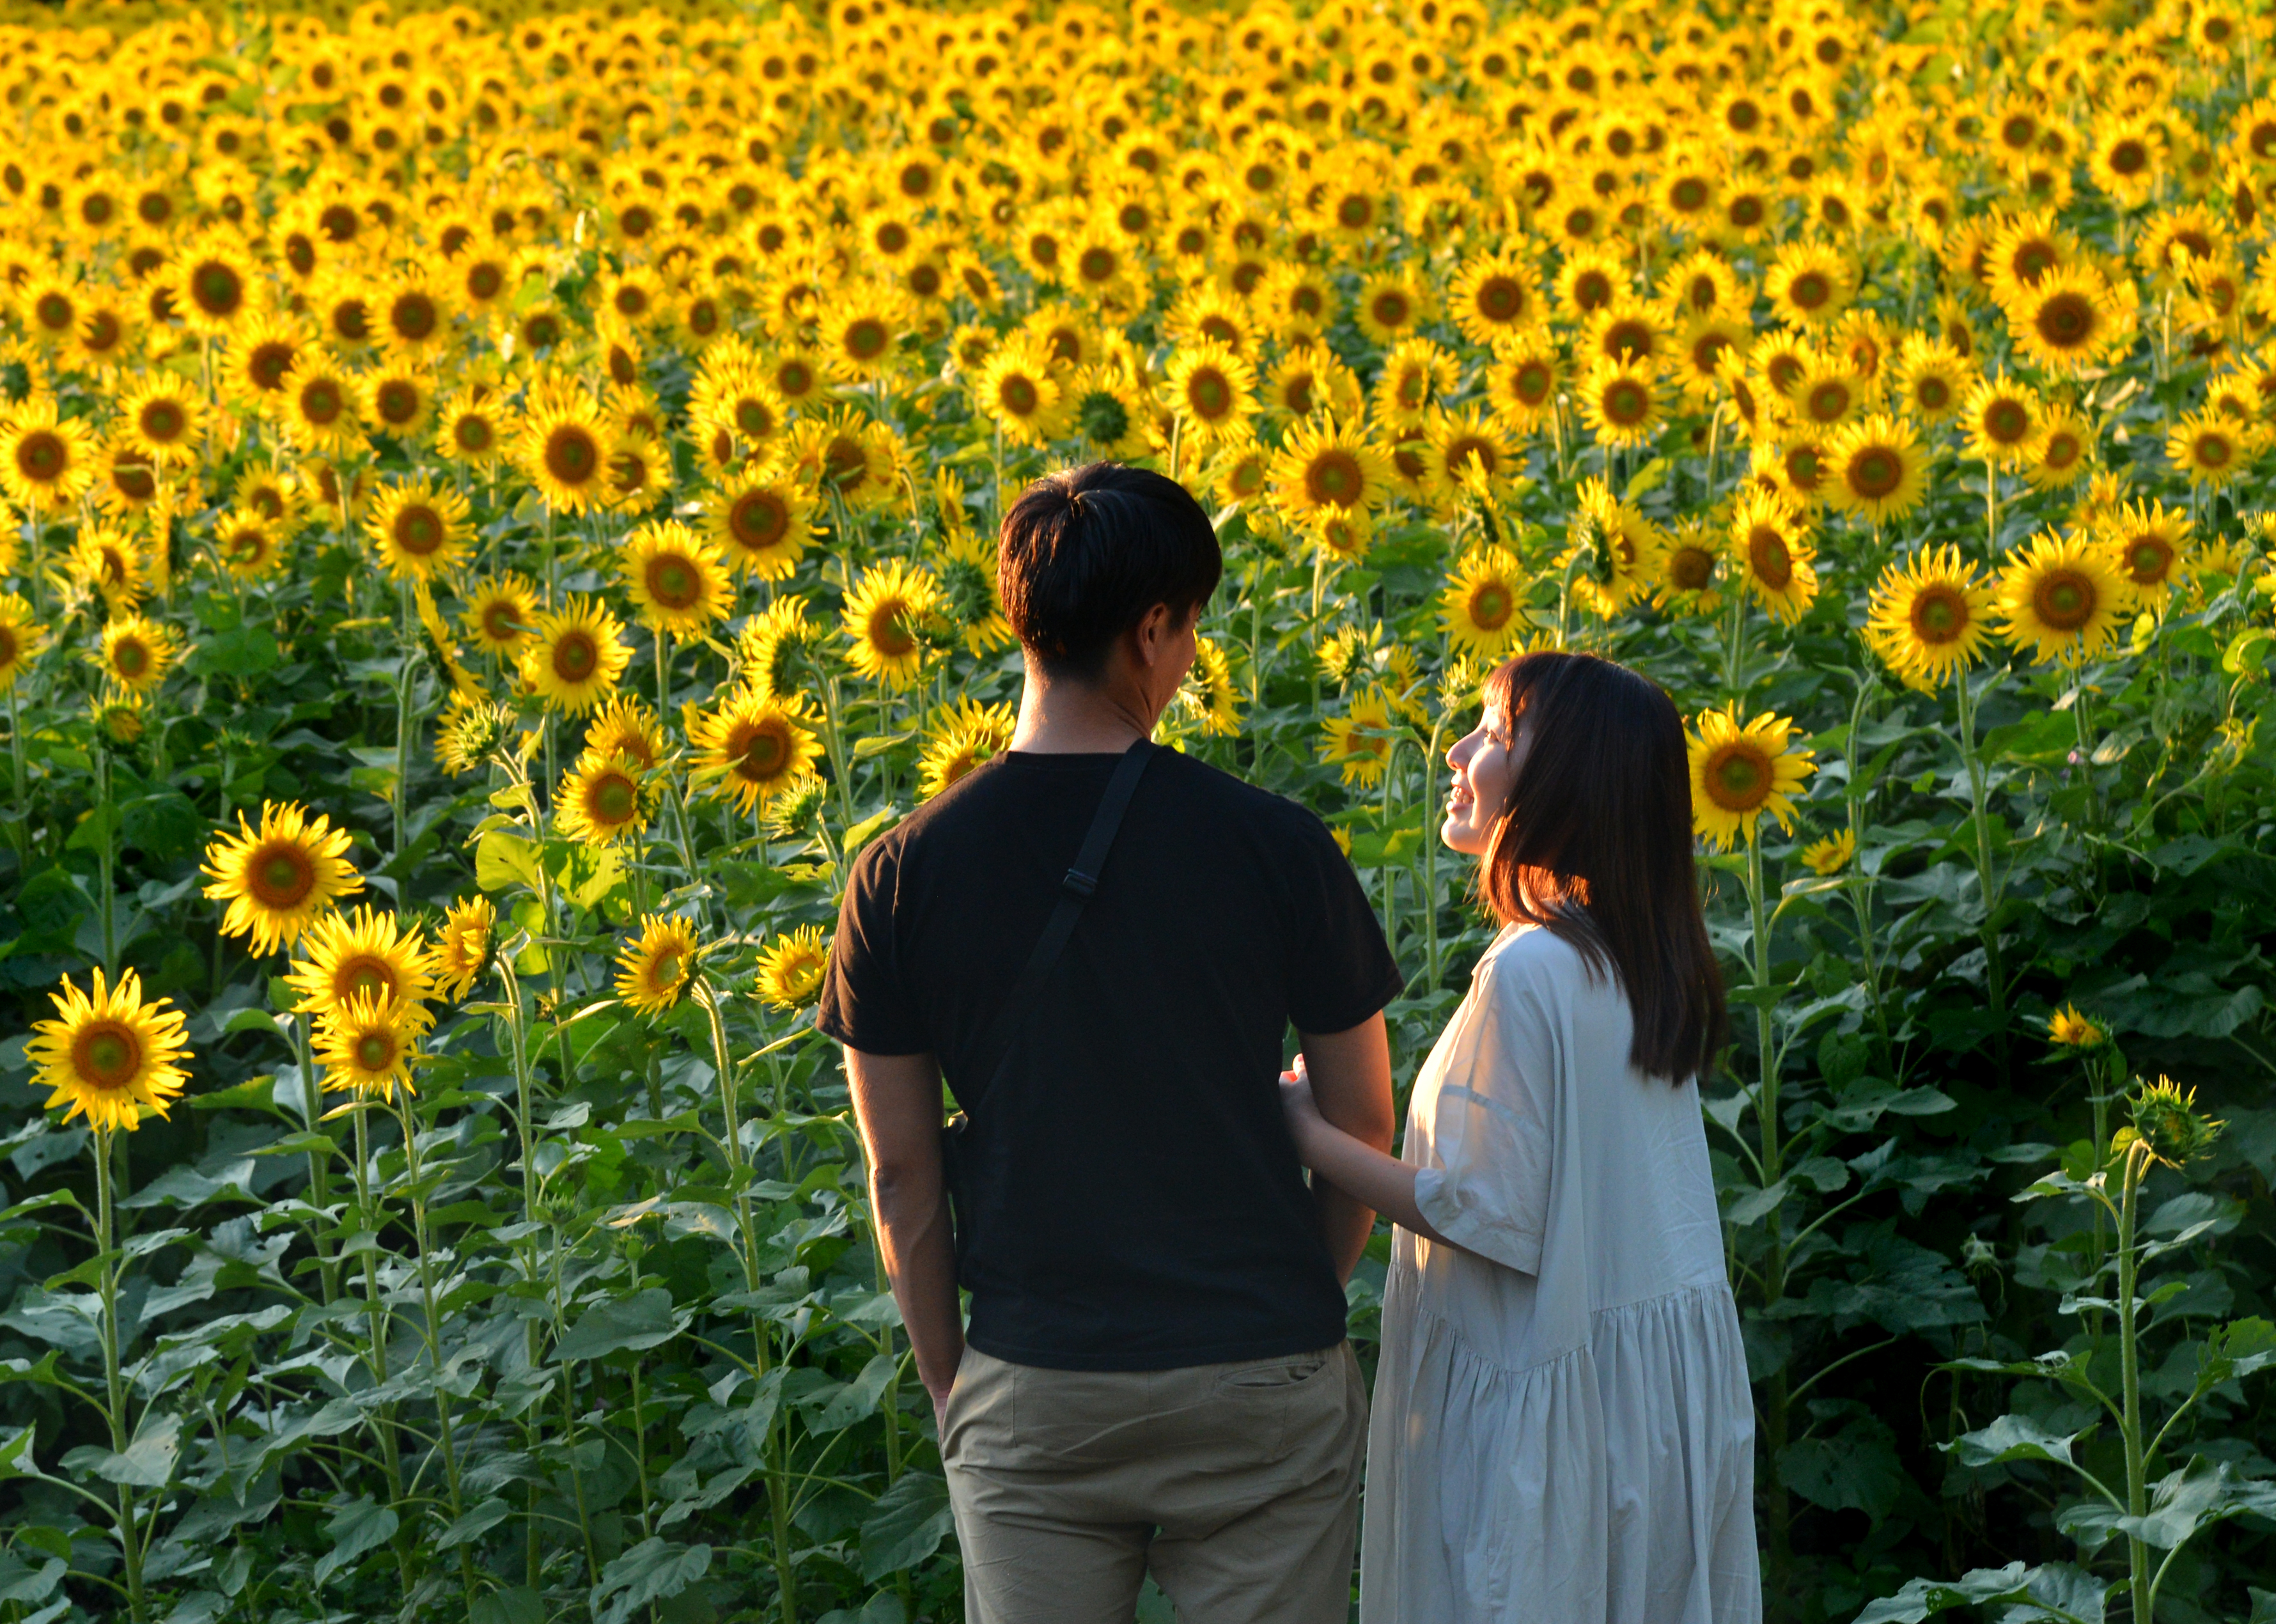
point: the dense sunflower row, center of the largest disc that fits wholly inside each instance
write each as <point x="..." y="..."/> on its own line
<point x="642" y="392"/>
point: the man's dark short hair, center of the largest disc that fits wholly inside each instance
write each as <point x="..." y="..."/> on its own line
<point x="1086" y="552"/>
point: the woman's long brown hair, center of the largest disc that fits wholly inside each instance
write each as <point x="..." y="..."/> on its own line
<point x="1594" y="843"/>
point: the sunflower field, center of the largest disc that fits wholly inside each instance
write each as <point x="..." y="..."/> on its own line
<point x="500" y="507"/>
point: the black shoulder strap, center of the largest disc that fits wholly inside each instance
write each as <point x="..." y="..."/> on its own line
<point x="1075" y="889"/>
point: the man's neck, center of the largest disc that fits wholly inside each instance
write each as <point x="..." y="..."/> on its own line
<point x="1066" y="718"/>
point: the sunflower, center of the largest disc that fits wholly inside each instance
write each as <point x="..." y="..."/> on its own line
<point x="1687" y="570"/>
<point x="1390" y="307"/>
<point x="367" y="1047"/>
<point x="2151" y="542"/>
<point x="320" y="406"/>
<point x="211" y="282"/>
<point x="1212" y="392"/>
<point x="1620" y="402"/>
<point x="21" y="639"/>
<point x="1361" y="738"/>
<point x="882" y="619"/>
<point x="109" y="1055"/>
<point x="600" y="800"/>
<point x="856" y="458"/>
<point x="475" y="433"/>
<point x="1876" y="470"/>
<point x="1809" y="285"/>
<point x="108" y="561"/>
<point x="577" y="657"/>
<point x="137" y="652"/>
<point x="398" y="399"/>
<point x="2074" y="1030"/>
<point x="962" y="736"/>
<point x="2002" y="421"/>
<point x="654" y="969"/>
<point x="772" y="645"/>
<point x="161" y="420"/>
<point x="754" y="748"/>
<point x="1491" y="296"/>
<point x="859" y="329"/>
<point x="46" y="460"/>
<point x="677" y="580"/>
<point x="1017" y="390"/>
<point x="764" y="522"/>
<point x="247" y="543"/>
<point x="1927" y="621"/>
<point x="1612" y="551"/>
<point x="408" y="312"/>
<point x="1523" y="376"/>
<point x="499" y="613"/>
<point x="365" y="954"/>
<point x="1484" y="605"/>
<point x="2070" y="317"/>
<point x="2062" y="598"/>
<point x="1740" y="772"/>
<point x="2063" y="451"/>
<point x="1467" y="447"/>
<point x="791" y="968"/>
<point x="280" y="880"/>
<point x="564" y="451"/>
<point x="1932" y="378"/>
<point x="1209" y="691"/>
<point x="1772" y="544"/>
<point x="2212" y="451"/>
<point x="462" y="946"/>
<point x="420" y="529"/>
<point x="1309" y="378"/>
<point x="1325" y="470"/>
<point x="1828" y="857"/>
<point x="1415" y="375"/>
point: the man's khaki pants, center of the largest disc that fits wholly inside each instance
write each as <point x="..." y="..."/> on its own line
<point x="1236" y="1484"/>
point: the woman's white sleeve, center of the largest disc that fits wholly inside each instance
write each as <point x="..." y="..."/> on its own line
<point x="1487" y="1188"/>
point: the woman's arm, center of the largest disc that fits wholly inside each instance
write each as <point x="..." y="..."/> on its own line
<point x="1366" y="1174"/>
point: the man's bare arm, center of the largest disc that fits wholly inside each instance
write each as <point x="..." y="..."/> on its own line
<point x="1351" y="1080"/>
<point x="897" y="1101"/>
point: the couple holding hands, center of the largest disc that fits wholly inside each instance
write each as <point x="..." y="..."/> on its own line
<point x="1101" y="947"/>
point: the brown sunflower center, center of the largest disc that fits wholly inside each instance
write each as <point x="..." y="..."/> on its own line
<point x="419" y="530"/>
<point x="614" y="799"/>
<point x="320" y="403"/>
<point x="415" y="317"/>
<point x="763" y="752"/>
<point x="1625" y="402"/>
<point x="364" y="975"/>
<point x="674" y="581"/>
<point x="280" y="876"/>
<point x="375" y="1051"/>
<point x="1334" y="476"/>
<point x="757" y="520"/>
<point x="2066" y="320"/>
<point x="2064" y="599"/>
<point x="1018" y="394"/>
<point x="1875" y="473"/>
<point x="1739" y="777"/>
<point x="106" y="1054"/>
<point x="1500" y="298"/>
<point x="216" y="289"/>
<point x="2149" y="558"/>
<point x="888" y="632"/>
<point x="1210" y="393"/>
<point x="1492" y="604"/>
<point x="472" y="433"/>
<point x="2007" y="422"/>
<point x="1810" y="291"/>
<point x="575" y="656"/>
<point x="41" y="457"/>
<point x="573" y="454"/>
<point x="397" y="400"/>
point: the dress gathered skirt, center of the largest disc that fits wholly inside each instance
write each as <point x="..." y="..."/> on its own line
<point x="1563" y="1431"/>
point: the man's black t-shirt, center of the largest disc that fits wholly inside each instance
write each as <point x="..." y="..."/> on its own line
<point x="1142" y="1207"/>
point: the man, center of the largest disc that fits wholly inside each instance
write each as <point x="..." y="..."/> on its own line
<point x="1156" y="1375"/>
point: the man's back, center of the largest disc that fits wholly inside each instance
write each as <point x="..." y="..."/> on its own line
<point x="1135" y="1202"/>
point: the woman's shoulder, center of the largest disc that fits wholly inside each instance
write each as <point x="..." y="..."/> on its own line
<point x="1532" y="956"/>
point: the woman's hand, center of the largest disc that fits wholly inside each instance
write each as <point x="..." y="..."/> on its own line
<point x="1301" y="1110"/>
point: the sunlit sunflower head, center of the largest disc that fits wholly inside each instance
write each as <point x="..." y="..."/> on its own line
<point x="469" y="731"/>
<point x="2071" y="317"/>
<point x="1523" y="374"/>
<point x="1467" y="450"/>
<point x="137" y="652"/>
<point x="624" y="729"/>
<point x="1878" y="470"/>
<point x="2062" y="598"/>
<point x="677" y="581"/>
<point x="1828" y="857"/>
<point x="1933" y="379"/>
<point x="369" y="1047"/>
<point x="109" y="1055"/>
<point x="600" y="800"/>
<point x="753" y="749"/>
<point x="962" y="737"/>
<point x="792" y="966"/>
<point x="2210" y="450"/>
<point x="1928" y="618"/>
<point x="1416" y="375"/>
<point x="212" y="283"/>
<point x="108" y="560"/>
<point x="1391" y="306"/>
<point x="1773" y="545"/>
<point x="883" y="620"/>
<point x="477" y="434"/>
<point x="764" y="522"/>
<point x="1612" y="551"/>
<point x="46" y="459"/>
<point x="249" y="544"/>
<point x="1492" y="295"/>
<point x="1741" y="772"/>
<point x="655" y="968"/>
<point x="855" y="458"/>
<point x="1325" y="468"/>
<point x="462" y="946"/>
<point x="499" y="613"/>
<point x="577" y="657"/>
<point x="162" y="417"/>
<point x="1688" y="567"/>
<point x="1809" y="285"/>
<point x="2151" y="544"/>
<point x="1484" y="605"/>
<point x="1361" y="738"/>
<point x="564" y="450"/>
<point x="1017" y="389"/>
<point x="363" y="954"/>
<point x="2002" y="422"/>
<point x="1620" y="402"/>
<point x="1209" y="691"/>
<point x="420" y="529"/>
<point x="771" y="649"/>
<point x="1211" y="389"/>
<point x="280" y="879"/>
<point x="320" y="406"/>
<point x="21" y="639"/>
<point x="2073" y="1031"/>
<point x="2064" y="451"/>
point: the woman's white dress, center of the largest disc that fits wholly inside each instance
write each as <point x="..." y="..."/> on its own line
<point x="1563" y="1431"/>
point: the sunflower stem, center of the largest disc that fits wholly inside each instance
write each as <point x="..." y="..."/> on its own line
<point x="457" y="1502"/>
<point x="114" y="1386"/>
<point x="391" y="1460"/>
<point x="320" y="1183"/>
<point x="401" y="793"/>
<point x="105" y="881"/>
<point x="1987" y="876"/>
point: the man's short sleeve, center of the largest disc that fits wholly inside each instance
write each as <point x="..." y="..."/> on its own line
<point x="1341" y="967"/>
<point x="864" y="1004"/>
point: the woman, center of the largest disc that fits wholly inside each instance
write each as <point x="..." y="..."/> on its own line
<point x="1562" y="1428"/>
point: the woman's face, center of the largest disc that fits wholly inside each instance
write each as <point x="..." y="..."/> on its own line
<point x="1485" y="763"/>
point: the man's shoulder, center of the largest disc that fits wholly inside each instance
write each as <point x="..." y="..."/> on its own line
<point x="1226" y="795"/>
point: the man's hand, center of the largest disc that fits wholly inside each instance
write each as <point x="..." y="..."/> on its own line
<point x="897" y="1102"/>
<point x="1349" y="1074"/>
